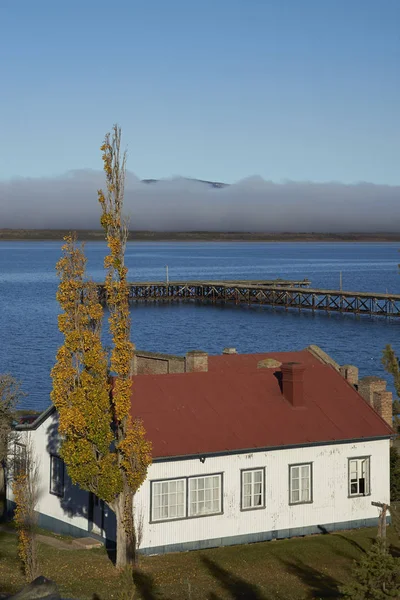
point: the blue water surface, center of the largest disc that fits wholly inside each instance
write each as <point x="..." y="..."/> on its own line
<point x="29" y="336"/>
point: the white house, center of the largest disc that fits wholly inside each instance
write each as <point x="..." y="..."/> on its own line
<point x="245" y="448"/>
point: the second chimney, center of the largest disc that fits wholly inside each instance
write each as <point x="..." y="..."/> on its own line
<point x="196" y="361"/>
<point x="350" y="373"/>
<point x="373" y="390"/>
<point x="368" y="386"/>
<point x="292" y="383"/>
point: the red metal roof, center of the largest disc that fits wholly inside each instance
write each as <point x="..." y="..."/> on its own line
<point x="236" y="406"/>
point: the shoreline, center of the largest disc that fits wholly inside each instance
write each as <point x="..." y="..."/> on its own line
<point x="42" y="235"/>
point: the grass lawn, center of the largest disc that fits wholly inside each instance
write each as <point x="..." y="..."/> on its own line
<point x="295" y="569"/>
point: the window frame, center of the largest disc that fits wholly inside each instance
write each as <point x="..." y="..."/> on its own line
<point x="358" y="458"/>
<point x="221" y="495"/>
<point x="263" y="489"/>
<point x="18" y="471"/>
<point x="304" y="464"/>
<point x="52" y="457"/>
<point x="186" y="479"/>
<point x="152" y="483"/>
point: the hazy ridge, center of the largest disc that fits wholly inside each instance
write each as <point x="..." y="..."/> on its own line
<point x="183" y="205"/>
<point x="198" y="236"/>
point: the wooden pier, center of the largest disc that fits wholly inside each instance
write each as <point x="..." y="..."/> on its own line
<point x="277" y="293"/>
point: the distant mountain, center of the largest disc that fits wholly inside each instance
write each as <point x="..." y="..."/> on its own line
<point x="181" y="204"/>
<point x="214" y="184"/>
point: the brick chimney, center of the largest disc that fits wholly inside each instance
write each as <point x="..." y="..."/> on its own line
<point x="369" y="385"/>
<point x="292" y="383"/>
<point x="383" y="404"/>
<point x="196" y="361"/>
<point x="350" y="373"/>
<point x="373" y="390"/>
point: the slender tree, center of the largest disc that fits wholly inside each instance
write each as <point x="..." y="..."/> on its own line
<point x="105" y="450"/>
<point x="391" y="365"/>
<point x="25" y="489"/>
<point x="133" y="449"/>
<point x="10" y="395"/>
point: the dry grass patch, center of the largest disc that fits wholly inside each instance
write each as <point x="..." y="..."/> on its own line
<point x="295" y="569"/>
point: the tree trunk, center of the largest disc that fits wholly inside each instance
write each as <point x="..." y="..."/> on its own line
<point x="126" y="546"/>
<point x="2" y="491"/>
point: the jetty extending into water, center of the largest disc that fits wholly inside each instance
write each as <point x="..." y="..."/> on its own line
<point x="275" y="293"/>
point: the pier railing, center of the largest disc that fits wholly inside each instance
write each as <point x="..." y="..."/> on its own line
<point x="287" y="295"/>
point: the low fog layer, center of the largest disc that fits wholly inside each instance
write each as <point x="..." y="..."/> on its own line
<point x="70" y="201"/>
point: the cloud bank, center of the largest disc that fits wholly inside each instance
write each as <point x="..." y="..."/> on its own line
<point x="70" y="202"/>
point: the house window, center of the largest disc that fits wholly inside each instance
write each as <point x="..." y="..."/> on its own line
<point x="19" y="459"/>
<point x="56" y="475"/>
<point x="359" y="476"/>
<point x="168" y="500"/>
<point x="252" y="489"/>
<point x="300" y="483"/>
<point x="204" y="495"/>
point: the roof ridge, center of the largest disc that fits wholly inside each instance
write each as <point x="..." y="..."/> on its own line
<point x="322" y="356"/>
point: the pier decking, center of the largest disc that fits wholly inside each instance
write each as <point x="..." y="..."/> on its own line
<point x="277" y="293"/>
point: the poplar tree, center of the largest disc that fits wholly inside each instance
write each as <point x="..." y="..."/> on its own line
<point x="391" y="365"/>
<point x="10" y="395"/>
<point x="105" y="450"/>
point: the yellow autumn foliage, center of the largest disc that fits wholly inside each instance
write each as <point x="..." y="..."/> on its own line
<point x="132" y="446"/>
<point x="105" y="451"/>
<point x="25" y="497"/>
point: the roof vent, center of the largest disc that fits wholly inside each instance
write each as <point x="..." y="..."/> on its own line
<point x="268" y="363"/>
<point x="292" y="383"/>
<point x="229" y="351"/>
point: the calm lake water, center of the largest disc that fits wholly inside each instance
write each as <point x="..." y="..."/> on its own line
<point x="28" y="328"/>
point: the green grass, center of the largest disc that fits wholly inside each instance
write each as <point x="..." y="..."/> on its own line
<point x="296" y="569"/>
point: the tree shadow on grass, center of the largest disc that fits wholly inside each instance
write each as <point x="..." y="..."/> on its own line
<point x="321" y="585"/>
<point x="342" y="537"/>
<point x="237" y="587"/>
<point x="136" y="583"/>
<point x="145" y="585"/>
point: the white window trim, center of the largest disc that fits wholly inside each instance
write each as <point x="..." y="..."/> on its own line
<point x="367" y="489"/>
<point x="252" y="471"/>
<point x="153" y="488"/>
<point x="310" y="477"/>
<point x="205" y="514"/>
<point x="186" y="481"/>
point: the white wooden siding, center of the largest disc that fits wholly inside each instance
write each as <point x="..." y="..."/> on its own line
<point x="73" y="507"/>
<point x="330" y="504"/>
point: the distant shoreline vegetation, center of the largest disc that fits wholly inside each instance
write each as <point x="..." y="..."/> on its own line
<point x="200" y="236"/>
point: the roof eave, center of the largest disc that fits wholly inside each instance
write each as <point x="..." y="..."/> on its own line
<point x="201" y="455"/>
<point x="38" y="421"/>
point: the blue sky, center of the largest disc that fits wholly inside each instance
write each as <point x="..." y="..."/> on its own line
<point x="214" y="89"/>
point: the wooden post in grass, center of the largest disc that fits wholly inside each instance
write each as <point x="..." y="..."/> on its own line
<point x="382" y="519"/>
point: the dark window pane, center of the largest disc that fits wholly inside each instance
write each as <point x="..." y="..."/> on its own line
<point x="57" y="476"/>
